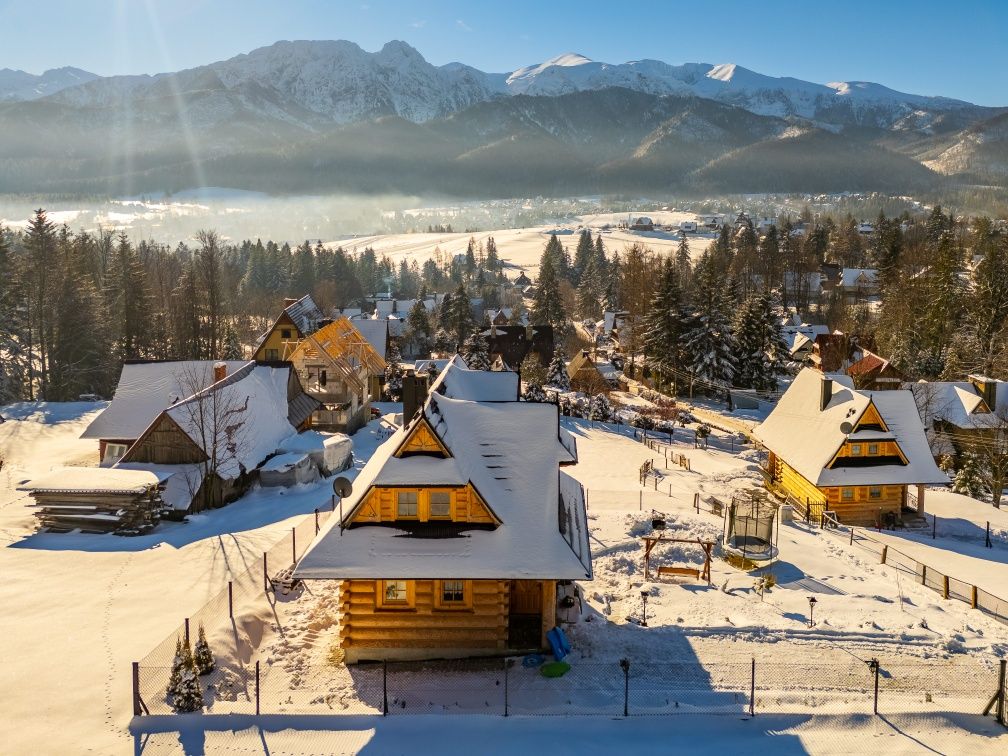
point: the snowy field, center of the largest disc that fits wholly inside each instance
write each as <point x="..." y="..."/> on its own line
<point x="522" y="248"/>
<point x="82" y="607"/>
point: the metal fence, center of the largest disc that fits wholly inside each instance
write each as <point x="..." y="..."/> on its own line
<point x="626" y="687"/>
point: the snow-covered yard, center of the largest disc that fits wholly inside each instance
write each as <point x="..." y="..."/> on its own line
<point x="84" y="606"/>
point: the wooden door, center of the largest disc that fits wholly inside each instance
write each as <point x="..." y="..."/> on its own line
<point x="526" y="597"/>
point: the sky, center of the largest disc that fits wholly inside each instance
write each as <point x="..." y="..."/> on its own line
<point x="926" y="47"/>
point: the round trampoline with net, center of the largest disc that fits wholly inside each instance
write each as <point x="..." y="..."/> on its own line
<point x="749" y="526"/>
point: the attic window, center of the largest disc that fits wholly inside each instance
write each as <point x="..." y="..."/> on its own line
<point x="285" y="333"/>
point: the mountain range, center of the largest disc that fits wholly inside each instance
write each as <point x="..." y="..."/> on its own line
<point x="309" y="116"/>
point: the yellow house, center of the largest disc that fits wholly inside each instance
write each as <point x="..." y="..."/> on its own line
<point x="459" y="530"/>
<point x="860" y="454"/>
<point x="299" y="318"/>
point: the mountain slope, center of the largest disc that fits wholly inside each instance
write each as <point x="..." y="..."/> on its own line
<point x="19" y="85"/>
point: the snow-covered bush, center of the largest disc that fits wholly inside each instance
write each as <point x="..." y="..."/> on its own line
<point x="968" y="480"/>
<point x="183" y="685"/>
<point x="534" y="393"/>
<point x="600" y="409"/>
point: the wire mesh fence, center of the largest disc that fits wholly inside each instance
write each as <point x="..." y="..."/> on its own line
<point x="626" y="687"/>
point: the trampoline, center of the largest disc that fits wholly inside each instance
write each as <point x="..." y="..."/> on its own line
<point x="749" y="526"/>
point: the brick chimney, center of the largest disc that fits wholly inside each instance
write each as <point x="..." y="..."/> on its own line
<point x="219" y="371"/>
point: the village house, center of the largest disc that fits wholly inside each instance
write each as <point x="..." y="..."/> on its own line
<point x="299" y="318"/>
<point x="961" y="414"/>
<point x="145" y="388"/>
<point x="462" y="534"/>
<point x="643" y="223"/>
<point x="874" y="373"/>
<point x="858" y="283"/>
<point x="585" y="375"/>
<point x="861" y="455"/>
<point x="339" y="368"/>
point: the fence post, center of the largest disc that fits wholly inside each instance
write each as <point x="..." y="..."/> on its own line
<point x="257" y="687"/>
<point x="934" y="526"/>
<point x="973" y="597"/>
<point x="625" y="664"/>
<point x="187" y="631"/>
<point x="137" y="710"/>
<point x="384" y="685"/>
<point x="923" y="574"/>
<point x="507" y="664"/>
<point x="852" y="535"/>
<point x="265" y="575"/>
<point x="1001" y="693"/>
<point x="230" y="599"/>
<point x="752" y="690"/>
<point x="293" y="545"/>
<point x="696" y="501"/>
<point x="945" y="586"/>
<point x="875" y="668"/>
<point x="988" y="543"/>
<point x="316" y="520"/>
<point x="885" y="550"/>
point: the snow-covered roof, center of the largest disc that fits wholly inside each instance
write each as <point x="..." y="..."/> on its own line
<point x="376" y="332"/>
<point x="509" y="452"/>
<point x="807" y="438"/>
<point x="284" y="462"/>
<point x="457" y="381"/>
<point x="243" y="416"/>
<point x="179" y="483"/>
<point x="305" y="314"/>
<point x="958" y="403"/>
<point x="147" y="388"/>
<point x="853" y="277"/>
<point x="107" y="480"/>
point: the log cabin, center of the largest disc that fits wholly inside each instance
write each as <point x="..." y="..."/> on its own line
<point x="337" y="366"/>
<point x="868" y="472"/>
<point x="459" y="530"/>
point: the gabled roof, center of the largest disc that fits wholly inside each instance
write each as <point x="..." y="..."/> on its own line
<point x="957" y="403"/>
<point x="342" y="345"/>
<point x="870" y="363"/>
<point x="243" y="416"/>
<point x="807" y="438"/>
<point x="508" y="452"/>
<point x="376" y="332"/>
<point x="457" y="381"/>
<point x="305" y="314"/>
<point x="147" y="388"/>
<point x="852" y="277"/>
<point x="102" y="480"/>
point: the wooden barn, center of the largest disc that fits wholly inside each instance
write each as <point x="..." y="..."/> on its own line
<point x="299" y="318"/>
<point x="337" y="366"/>
<point x="216" y="439"/>
<point x="459" y="529"/>
<point x="862" y="455"/>
<point x="585" y="375"/>
<point x="145" y="389"/>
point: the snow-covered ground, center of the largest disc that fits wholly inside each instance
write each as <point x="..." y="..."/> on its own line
<point x="80" y="608"/>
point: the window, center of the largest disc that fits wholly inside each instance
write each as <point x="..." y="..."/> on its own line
<point x="440" y="504"/>
<point x="452" y="594"/>
<point x="848" y="494"/>
<point x="322" y="378"/>
<point x="395" y="594"/>
<point x="406" y="504"/>
<point x="285" y="333"/>
<point x="272" y="355"/>
<point x="855" y="450"/>
<point x="875" y="492"/>
<point x="873" y="449"/>
<point x="113" y="452"/>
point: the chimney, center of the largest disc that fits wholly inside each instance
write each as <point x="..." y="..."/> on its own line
<point x="219" y="371"/>
<point x="826" y="393"/>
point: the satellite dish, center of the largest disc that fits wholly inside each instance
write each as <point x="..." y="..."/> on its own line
<point x="342" y="487"/>
<point x="846" y="428"/>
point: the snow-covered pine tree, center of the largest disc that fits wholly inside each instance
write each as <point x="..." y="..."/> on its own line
<point x="178" y="664"/>
<point x="232" y="347"/>
<point x="556" y="374"/>
<point x="708" y="343"/>
<point x="443" y="342"/>
<point x="476" y="351"/>
<point x="534" y="392"/>
<point x="947" y="465"/>
<point x="585" y="251"/>
<point x="663" y="324"/>
<point x="393" y="371"/>
<point x="600" y="408"/>
<point x="13" y="334"/>
<point x="760" y="347"/>
<point x="968" y="481"/>
<point x="203" y="658"/>
<point x="418" y="326"/>
<point x="188" y="695"/>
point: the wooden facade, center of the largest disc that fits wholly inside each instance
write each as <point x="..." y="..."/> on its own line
<point x="280" y="342"/>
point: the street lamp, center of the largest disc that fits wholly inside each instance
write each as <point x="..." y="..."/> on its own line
<point x="811" y="607"/>
<point x="644" y="595"/>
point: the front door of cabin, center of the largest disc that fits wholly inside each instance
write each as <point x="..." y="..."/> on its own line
<point x="525" y="614"/>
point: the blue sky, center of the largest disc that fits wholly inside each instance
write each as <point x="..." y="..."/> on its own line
<point x="957" y="49"/>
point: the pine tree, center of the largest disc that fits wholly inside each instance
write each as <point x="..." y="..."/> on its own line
<point x="393" y="371"/>
<point x="547" y="307"/>
<point x="418" y="327"/>
<point x="534" y="393"/>
<point x="13" y="336"/>
<point x="556" y="374"/>
<point x="760" y="346"/>
<point x="584" y="253"/>
<point x="663" y="323"/>
<point x="232" y="346"/>
<point x="476" y="351"/>
<point x="443" y="342"/>
<point x="456" y="316"/>
<point x="178" y="665"/>
<point x="708" y="342"/>
<point x="600" y="408"/>
<point x="968" y="481"/>
<point x="202" y="655"/>
<point x="188" y="695"/>
<point x="589" y="291"/>
<point x="682" y="260"/>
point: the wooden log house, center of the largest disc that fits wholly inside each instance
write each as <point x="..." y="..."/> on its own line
<point x="859" y="454"/>
<point x="459" y="529"/>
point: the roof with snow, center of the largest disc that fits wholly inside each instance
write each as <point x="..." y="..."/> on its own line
<point x="305" y="314"/>
<point x="106" y="480"/>
<point x="959" y="403"/>
<point x="376" y="332"/>
<point x="147" y="388"/>
<point x="457" y="381"/>
<point x="508" y="451"/>
<point x="854" y="277"/>
<point x="808" y="438"/>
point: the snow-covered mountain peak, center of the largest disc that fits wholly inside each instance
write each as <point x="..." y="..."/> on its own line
<point x="722" y="72"/>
